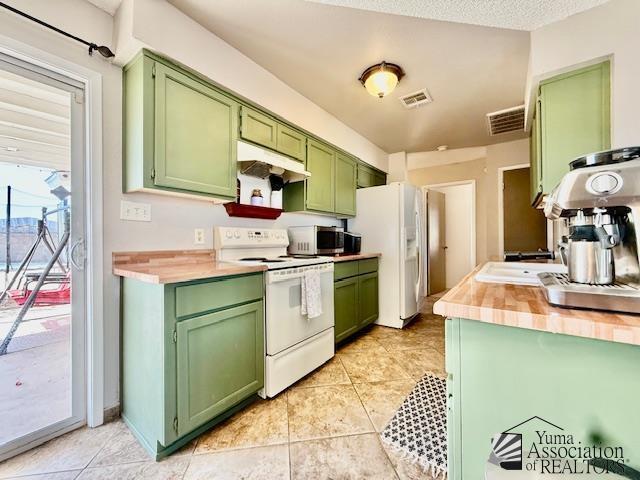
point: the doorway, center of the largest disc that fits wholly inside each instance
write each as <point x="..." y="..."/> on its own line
<point x="522" y="228"/>
<point x="43" y="281"/>
<point x="451" y="233"/>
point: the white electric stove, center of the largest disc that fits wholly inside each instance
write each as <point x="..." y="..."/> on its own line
<point x="294" y="344"/>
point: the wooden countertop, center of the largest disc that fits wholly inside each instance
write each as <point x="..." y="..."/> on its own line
<point x="174" y="266"/>
<point x="526" y="307"/>
<point x="347" y="257"/>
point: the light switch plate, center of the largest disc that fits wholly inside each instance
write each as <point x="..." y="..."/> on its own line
<point x="135" y="211"/>
<point x="198" y="236"/>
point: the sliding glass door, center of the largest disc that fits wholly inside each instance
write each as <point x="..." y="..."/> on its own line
<point x="42" y="255"/>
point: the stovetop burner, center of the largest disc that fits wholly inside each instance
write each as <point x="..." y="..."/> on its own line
<point x="299" y="256"/>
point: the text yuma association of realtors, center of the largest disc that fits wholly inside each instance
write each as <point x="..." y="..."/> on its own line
<point x="561" y="454"/>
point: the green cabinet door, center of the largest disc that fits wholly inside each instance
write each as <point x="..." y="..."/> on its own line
<point x="290" y="142"/>
<point x="379" y="179"/>
<point x="368" y="298"/>
<point x="535" y="160"/>
<point x="574" y="119"/>
<point x="502" y="376"/>
<point x="195" y="135"/>
<point x="345" y="299"/>
<point x="346" y="178"/>
<point x="366" y="176"/>
<point x="258" y="128"/>
<point x="220" y="361"/>
<point x="321" y="161"/>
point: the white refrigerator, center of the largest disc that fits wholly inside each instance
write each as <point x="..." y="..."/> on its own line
<point x="390" y="221"/>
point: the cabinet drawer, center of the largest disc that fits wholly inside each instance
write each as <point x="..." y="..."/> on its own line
<point x="345" y="270"/>
<point x="367" y="266"/>
<point x="217" y="294"/>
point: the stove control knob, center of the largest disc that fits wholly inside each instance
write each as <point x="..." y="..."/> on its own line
<point x="604" y="183"/>
<point x="229" y="234"/>
<point x="236" y="234"/>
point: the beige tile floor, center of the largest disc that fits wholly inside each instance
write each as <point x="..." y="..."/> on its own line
<point x="324" y="427"/>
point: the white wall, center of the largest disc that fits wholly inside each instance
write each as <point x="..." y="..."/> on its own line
<point x="608" y="30"/>
<point x="434" y="168"/>
<point x="459" y="228"/>
<point x="173" y="219"/>
<point x="165" y="29"/>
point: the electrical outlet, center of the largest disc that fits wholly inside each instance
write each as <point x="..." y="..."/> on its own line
<point x="134" y="211"/>
<point x="199" y="236"/>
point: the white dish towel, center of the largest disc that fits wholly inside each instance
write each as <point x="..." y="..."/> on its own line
<point x="311" y="301"/>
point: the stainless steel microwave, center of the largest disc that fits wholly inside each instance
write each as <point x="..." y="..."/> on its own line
<point x="316" y="240"/>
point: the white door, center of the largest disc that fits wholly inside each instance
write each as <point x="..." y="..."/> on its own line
<point x="409" y="253"/>
<point x="42" y="348"/>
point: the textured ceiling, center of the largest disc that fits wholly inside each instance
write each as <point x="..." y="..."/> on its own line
<point x="513" y="14"/>
<point x="321" y="50"/>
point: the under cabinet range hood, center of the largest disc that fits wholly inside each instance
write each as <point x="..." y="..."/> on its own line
<point x="260" y="162"/>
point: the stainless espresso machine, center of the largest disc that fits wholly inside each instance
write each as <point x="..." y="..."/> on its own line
<point x="599" y="201"/>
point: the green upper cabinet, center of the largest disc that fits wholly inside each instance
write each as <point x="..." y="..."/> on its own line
<point x="574" y="112"/>
<point x="194" y="135"/>
<point x="321" y="162"/>
<point x="212" y="380"/>
<point x="535" y="160"/>
<point x="179" y="133"/>
<point x="258" y="128"/>
<point x="346" y="177"/>
<point x="291" y="142"/>
<point x="268" y="132"/>
<point x="369" y="176"/>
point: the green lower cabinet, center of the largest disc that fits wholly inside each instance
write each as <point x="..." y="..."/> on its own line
<point x="346" y="303"/>
<point x="500" y="378"/>
<point x="211" y="380"/>
<point x="355" y="296"/>
<point x="367" y="298"/>
<point x="192" y="354"/>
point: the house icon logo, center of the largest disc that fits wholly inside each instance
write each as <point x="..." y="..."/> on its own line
<point x="506" y="447"/>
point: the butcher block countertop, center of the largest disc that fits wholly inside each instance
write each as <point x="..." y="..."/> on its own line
<point x="347" y="257"/>
<point x="526" y="307"/>
<point x="174" y="266"/>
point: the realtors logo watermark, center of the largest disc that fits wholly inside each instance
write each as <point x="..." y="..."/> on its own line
<point x="553" y="451"/>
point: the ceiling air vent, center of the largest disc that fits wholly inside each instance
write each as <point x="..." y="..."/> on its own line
<point x="415" y="99"/>
<point x="507" y="120"/>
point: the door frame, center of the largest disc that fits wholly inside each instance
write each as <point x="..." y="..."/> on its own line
<point x="56" y="67"/>
<point x="474" y="239"/>
<point x="501" y="171"/>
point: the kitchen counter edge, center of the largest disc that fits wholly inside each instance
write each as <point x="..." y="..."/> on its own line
<point x="526" y="307"/>
<point x="162" y="267"/>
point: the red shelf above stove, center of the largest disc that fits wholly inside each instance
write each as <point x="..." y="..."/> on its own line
<point x="251" y="211"/>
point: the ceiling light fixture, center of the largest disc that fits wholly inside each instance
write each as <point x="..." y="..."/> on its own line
<point x="381" y="79"/>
